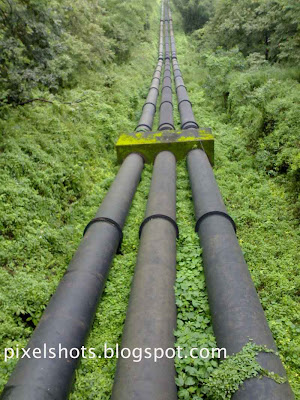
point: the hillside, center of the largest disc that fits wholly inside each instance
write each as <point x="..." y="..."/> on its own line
<point x="58" y="161"/>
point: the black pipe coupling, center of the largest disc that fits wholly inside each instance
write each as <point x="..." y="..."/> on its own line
<point x="166" y="126"/>
<point x="188" y="101"/>
<point x="180" y="86"/>
<point x="195" y="125"/>
<point x="166" y="101"/>
<point x="111" y="222"/>
<point x="159" y="216"/>
<point x="216" y="212"/>
<point x="167" y="86"/>
<point x="145" y="125"/>
<point x="152" y="104"/>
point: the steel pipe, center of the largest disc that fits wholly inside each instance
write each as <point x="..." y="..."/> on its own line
<point x="151" y="315"/>
<point x="166" y="120"/>
<point x="167" y="81"/>
<point x="70" y="312"/>
<point x="146" y="121"/>
<point x="237" y="314"/>
<point x="187" y="117"/>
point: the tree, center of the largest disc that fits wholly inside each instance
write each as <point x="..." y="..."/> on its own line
<point x="269" y="27"/>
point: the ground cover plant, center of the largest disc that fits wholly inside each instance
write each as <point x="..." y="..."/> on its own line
<point x="58" y="161"/>
<point x="262" y="201"/>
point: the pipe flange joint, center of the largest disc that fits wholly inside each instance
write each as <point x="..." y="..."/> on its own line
<point x="184" y="126"/>
<point x="145" y="125"/>
<point x="150" y="103"/>
<point x="111" y="222"/>
<point x="182" y="101"/>
<point x="159" y="216"/>
<point x="209" y="213"/>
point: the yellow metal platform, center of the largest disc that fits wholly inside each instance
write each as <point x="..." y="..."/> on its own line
<point x="149" y="144"/>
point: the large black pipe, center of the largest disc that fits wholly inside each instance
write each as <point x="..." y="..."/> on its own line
<point x="151" y="315"/>
<point x="69" y="315"/>
<point x="166" y="120"/>
<point x="184" y="105"/>
<point x="149" y="109"/>
<point x="237" y="314"/>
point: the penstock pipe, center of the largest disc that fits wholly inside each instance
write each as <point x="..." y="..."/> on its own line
<point x="237" y="314"/>
<point x="151" y="315"/>
<point x="187" y="117"/>
<point x="149" y="109"/>
<point x="166" y="120"/>
<point x="70" y="312"/>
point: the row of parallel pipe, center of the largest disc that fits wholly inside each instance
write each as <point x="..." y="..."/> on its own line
<point x="166" y="120"/>
<point x="187" y="117"/>
<point x="149" y="108"/>
<point x="151" y="314"/>
<point x="68" y="317"/>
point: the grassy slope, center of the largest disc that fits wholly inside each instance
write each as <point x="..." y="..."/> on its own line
<point x="267" y="230"/>
<point x="58" y="164"/>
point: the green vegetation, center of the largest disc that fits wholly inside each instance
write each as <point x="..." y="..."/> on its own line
<point x="57" y="163"/>
<point x="43" y="44"/>
<point x="194" y="13"/>
<point x="94" y="61"/>
<point x="251" y="105"/>
<point x="249" y="52"/>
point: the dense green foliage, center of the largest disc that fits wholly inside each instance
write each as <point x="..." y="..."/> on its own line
<point x="249" y="55"/>
<point x="267" y="27"/>
<point x="264" y="101"/>
<point x="58" y="162"/>
<point x="259" y="195"/>
<point x="50" y="44"/>
<point x="194" y="13"/>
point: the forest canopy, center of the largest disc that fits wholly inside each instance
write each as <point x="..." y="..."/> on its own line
<point x="251" y="54"/>
<point x="44" y="43"/>
<point x="268" y="27"/>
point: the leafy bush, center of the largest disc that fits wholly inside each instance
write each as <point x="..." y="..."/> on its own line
<point x="194" y="13"/>
<point x="263" y="99"/>
<point x="44" y="45"/>
<point x="262" y="208"/>
<point x="265" y="103"/>
<point x="268" y="27"/>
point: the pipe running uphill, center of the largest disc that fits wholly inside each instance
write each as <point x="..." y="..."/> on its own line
<point x="149" y="108"/>
<point x="187" y="117"/>
<point x="151" y="315"/>
<point x="166" y="121"/>
<point x="69" y="315"/>
<point x="237" y="314"/>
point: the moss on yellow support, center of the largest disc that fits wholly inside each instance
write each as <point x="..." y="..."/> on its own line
<point x="149" y="144"/>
